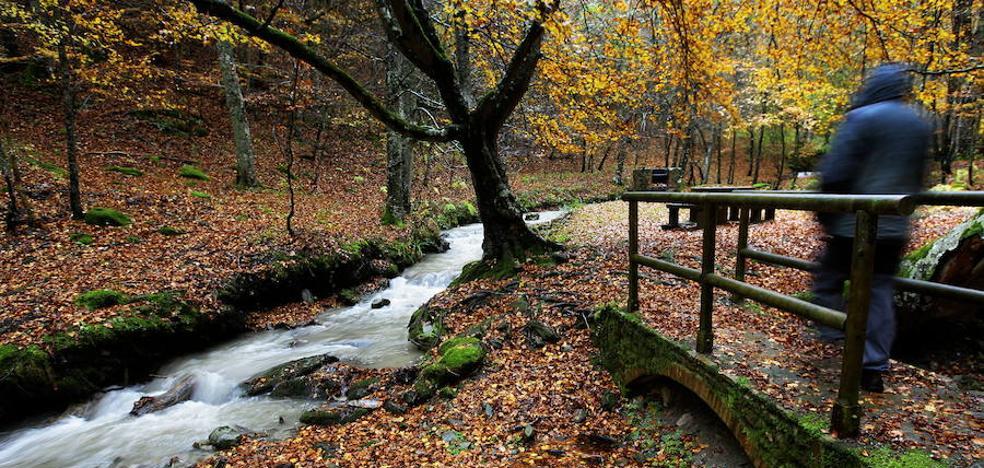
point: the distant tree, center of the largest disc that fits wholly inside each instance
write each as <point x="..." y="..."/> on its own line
<point x="245" y="158"/>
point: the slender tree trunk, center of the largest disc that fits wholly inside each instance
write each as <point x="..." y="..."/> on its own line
<point x="669" y="148"/>
<point x="758" y="156"/>
<point x="620" y="164"/>
<point x="705" y="170"/>
<point x="245" y="159"/>
<point x="289" y="146"/>
<point x="717" y="145"/>
<point x="7" y="167"/>
<point x="399" y="149"/>
<point x="734" y="156"/>
<point x="751" y="151"/>
<point x="782" y="157"/>
<point x="604" y="157"/>
<point x="71" y="111"/>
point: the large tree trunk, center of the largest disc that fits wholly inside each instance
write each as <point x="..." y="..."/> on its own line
<point x="399" y="149"/>
<point x="245" y="159"/>
<point x="507" y="237"/>
<point x="71" y="110"/>
<point x="956" y="258"/>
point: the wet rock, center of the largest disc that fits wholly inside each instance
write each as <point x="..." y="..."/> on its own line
<point x="298" y="387"/>
<point x="181" y="391"/>
<point x="361" y="389"/>
<point x="538" y="334"/>
<point x="266" y="381"/>
<point x="394" y="407"/>
<point x="487" y="409"/>
<point x="333" y="416"/>
<point x="404" y="375"/>
<point x="459" y="357"/>
<point x="226" y="437"/>
<point x="531" y="216"/>
<point x="380" y="303"/>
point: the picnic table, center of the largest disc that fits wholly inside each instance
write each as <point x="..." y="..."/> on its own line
<point x="725" y="213"/>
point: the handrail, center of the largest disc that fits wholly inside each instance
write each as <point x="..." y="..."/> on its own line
<point x="830" y="203"/>
<point x="846" y="413"/>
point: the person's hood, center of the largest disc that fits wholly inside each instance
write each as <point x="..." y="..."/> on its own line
<point x="884" y="83"/>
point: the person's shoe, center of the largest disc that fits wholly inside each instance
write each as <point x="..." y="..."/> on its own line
<point x="871" y="381"/>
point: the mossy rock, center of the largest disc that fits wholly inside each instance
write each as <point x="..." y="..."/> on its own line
<point x="362" y="388"/>
<point x="268" y="380"/>
<point x="458" y="358"/>
<point x="331" y="417"/>
<point x="106" y="217"/>
<point x="191" y="172"/>
<point x="101" y="298"/>
<point x="202" y="195"/>
<point x="80" y="238"/>
<point x="170" y="231"/>
<point x="349" y="296"/>
<point x="130" y="171"/>
<point x="426" y="327"/>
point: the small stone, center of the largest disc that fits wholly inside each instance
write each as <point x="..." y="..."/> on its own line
<point x="684" y="420"/>
<point x="580" y="415"/>
<point x="487" y="409"/>
<point x="307" y="297"/>
<point x="532" y="217"/>
<point x="380" y="303"/>
<point x="556" y="452"/>
<point x="566" y="348"/>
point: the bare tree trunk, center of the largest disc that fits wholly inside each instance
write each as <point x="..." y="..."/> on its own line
<point x="705" y="170"/>
<point x="71" y="111"/>
<point x="717" y="145"/>
<point x="666" y="153"/>
<point x="289" y="146"/>
<point x="734" y="156"/>
<point x="782" y="158"/>
<point x="751" y="151"/>
<point x="399" y="149"/>
<point x="620" y="164"/>
<point x="7" y="167"/>
<point x="245" y="159"/>
<point x="604" y="157"/>
<point x="758" y="157"/>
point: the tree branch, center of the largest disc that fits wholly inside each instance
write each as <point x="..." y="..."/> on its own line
<point x="496" y="106"/>
<point x="954" y="71"/>
<point x="290" y="44"/>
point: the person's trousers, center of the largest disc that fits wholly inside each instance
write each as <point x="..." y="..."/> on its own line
<point x="828" y="291"/>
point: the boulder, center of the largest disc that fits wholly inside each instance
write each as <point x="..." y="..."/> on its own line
<point x="333" y="416"/>
<point x="361" y="388"/>
<point x="459" y="357"/>
<point x="266" y="381"/>
<point x="380" y="303"/>
<point x="181" y="391"/>
<point x="227" y="437"/>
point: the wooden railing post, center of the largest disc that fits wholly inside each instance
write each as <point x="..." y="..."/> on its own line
<point x="705" y="336"/>
<point x="846" y="415"/>
<point x="633" y="304"/>
<point x="741" y="263"/>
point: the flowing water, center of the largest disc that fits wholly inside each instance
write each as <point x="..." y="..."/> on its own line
<point x="102" y="432"/>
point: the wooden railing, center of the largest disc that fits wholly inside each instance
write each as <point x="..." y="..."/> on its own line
<point x="846" y="414"/>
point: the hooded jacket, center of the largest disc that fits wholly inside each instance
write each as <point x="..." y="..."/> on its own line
<point x="880" y="148"/>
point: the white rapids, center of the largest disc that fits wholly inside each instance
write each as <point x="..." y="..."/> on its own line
<point x="102" y="433"/>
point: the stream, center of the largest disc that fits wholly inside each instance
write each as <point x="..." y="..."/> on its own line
<point x="102" y="433"/>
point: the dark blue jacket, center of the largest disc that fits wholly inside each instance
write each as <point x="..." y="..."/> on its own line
<point x="880" y="148"/>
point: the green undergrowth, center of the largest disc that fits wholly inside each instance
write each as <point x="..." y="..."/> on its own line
<point x="886" y="458"/>
<point x="130" y="171"/>
<point x="73" y="364"/>
<point x="191" y="172"/>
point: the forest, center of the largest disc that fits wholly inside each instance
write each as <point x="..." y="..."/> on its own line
<point x="389" y="232"/>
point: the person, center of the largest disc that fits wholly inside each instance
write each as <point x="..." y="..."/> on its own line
<point x="879" y="148"/>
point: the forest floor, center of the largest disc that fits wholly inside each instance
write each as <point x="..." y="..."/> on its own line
<point x="193" y="234"/>
<point x="556" y="406"/>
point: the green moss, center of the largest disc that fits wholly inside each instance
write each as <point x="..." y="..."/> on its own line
<point x="815" y="423"/>
<point x="202" y="195"/>
<point x="458" y="342"/>
<point x="191" y="172"/>
<point x="885" y="458"/>
<point x="80" y="238"/>
<point x="106" y="217"/>
<point x="130" y="171"/>
<point x="134" y="239"/>
<point x="481" y="269"/>
<point x="975" y="229"/>
<point x="349" y="296"/>
<point x="101" y="298"/>
<point x="426" y="327"/>
<point x="54" y="169"/>
<point x="332" y="417"/>
<point x="170" y="231"/>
